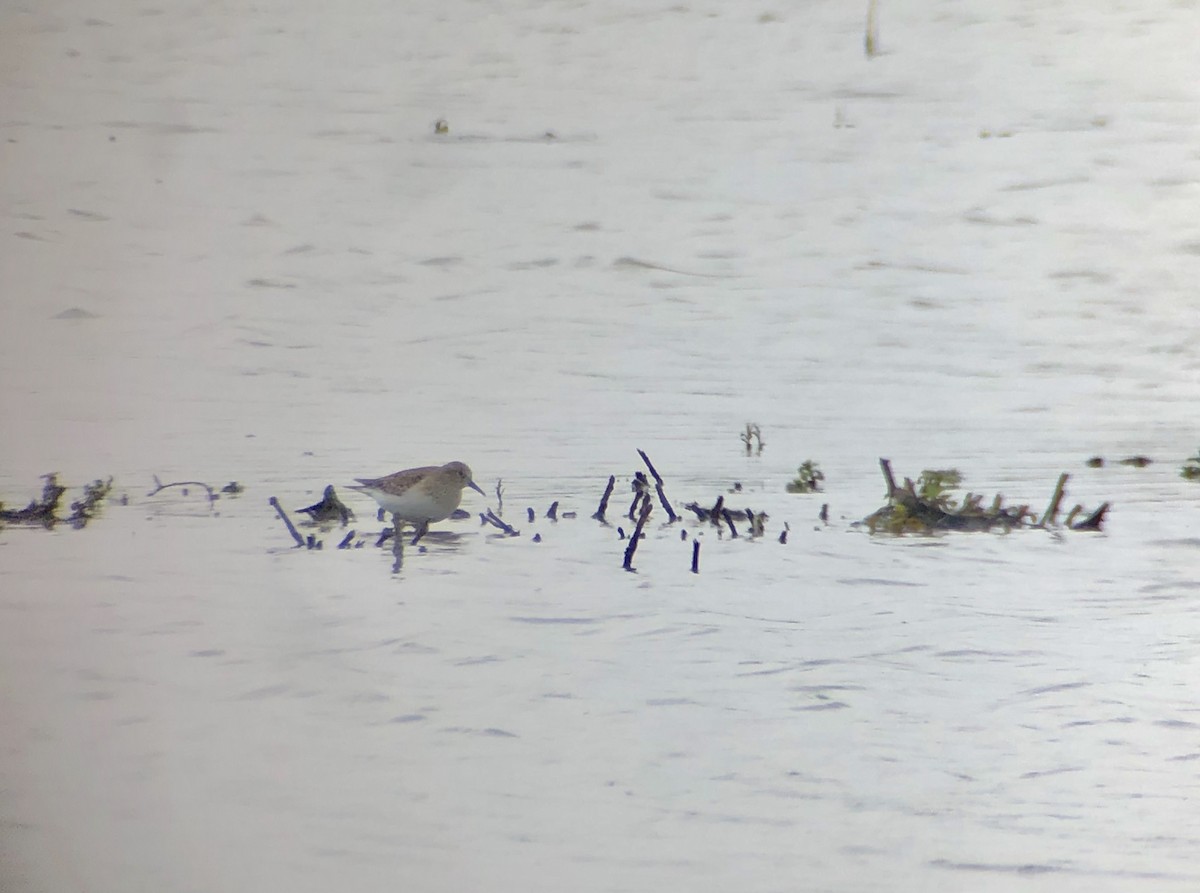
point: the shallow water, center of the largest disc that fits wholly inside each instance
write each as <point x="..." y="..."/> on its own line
<point x="237" y="250"/>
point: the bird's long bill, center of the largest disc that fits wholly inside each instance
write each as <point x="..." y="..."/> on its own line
<point x="478" y="489"/>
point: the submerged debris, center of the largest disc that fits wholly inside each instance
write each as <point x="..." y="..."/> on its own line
<point x="1191" y="468"/>
<point x="83" y="510"/>
<point x="159" y="486"/>
<point x="39" y="511"/>
<point x="751" y="436"/>
<point x="926" y="507"/>
<point x="637" y="535"/>
<point x="599" y="513"/>
<point x="658" y="486"/>
<point x="808" y="478"/>
<point x="43" y="512"/>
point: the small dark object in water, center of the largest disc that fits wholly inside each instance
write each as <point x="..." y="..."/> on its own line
<point x="552" y="514"/>
<point x="529" y="514"/>
<point x="641" y="487"/>
<point x="1136" y="461"/>
<point x="658" y="486"/>
<point x="725" y="513"/>
<point x="599" y="513"/>
<point x="537" y="537"/>
<point x="38" y="512"/>
<point x="695" y="556"/>
<point x="85" y="509"/>
<point x="1095" y="462"/>
<point x="783" y="534"/>
<point x="808" y="478"/>
<point x="824" y="516"/>
<point x="233" y="488"/>
<point x="159" y="486"/>
<point x="637" y="535"/>
<point x="491" y="518"/>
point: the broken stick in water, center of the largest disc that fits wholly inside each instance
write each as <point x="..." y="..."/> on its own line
<point x="490" y="518"/>
<point x="599" y="513"/>
<point x="1055" y="500"/>
<point x="658" y="486"/>
<point x="286" y="520"/>
<point x="636" y="535"/>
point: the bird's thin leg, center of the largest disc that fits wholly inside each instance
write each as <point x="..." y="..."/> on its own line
<point x="422" y="529"/>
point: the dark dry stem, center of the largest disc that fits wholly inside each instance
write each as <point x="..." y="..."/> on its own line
<point x="490" y="518"/>
<point x="159" y="486"/>
<point x="658" y="486"/>
<point x="714" y="513"/>
<point x="552" y="513"/>
<point x="43" y="512"/>
<point x="636" y="535"/>
<point x="729" y="520"/>
<point x="695" y="556"/>
<point x="650" y="465"/>
<point x="499" y="497"/>
<point x="640" y="487"/>
<point x="599" y="513"/>
<point x="1052" y="510"/>
<point x="282" y="514"/>
<point x="1094" y="520"/>
<point x="85" y="509"/>
<point x="888" y="477"/>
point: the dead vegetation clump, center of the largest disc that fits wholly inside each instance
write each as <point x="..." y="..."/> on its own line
<point x="43" y="512"/>
<point x="928" y="507"/>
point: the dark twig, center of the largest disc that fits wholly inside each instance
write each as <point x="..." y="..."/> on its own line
<point x="636" y="535"/>
<point x="43" y="512"/>
<point x="783" y="534"/>
<point x="714" y="513"/>
<point x="641" y="487"/>
<point x="1094" y="520"/>
<point x="599" y="513"/>
<point x="530" y="515"/>
<point x="499" y="497"/>
<point x="695" y="556"/>
<point x="345" y="543"/>
<point x="1055" y="500"/>
<point x="159" y="486"/>
<point x="650" y="465"/>
<point x="85" y="509"/>
<point x="887" y="474"/>
<point x="658" y="486"/>
<point x="729" y="520"/>
<point x="552" y="514"/>
<point x="282" y="514"/>
<point x="490" y="518"/>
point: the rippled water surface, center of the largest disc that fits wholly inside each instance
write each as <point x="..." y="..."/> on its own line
<point x="235" y="248"/>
